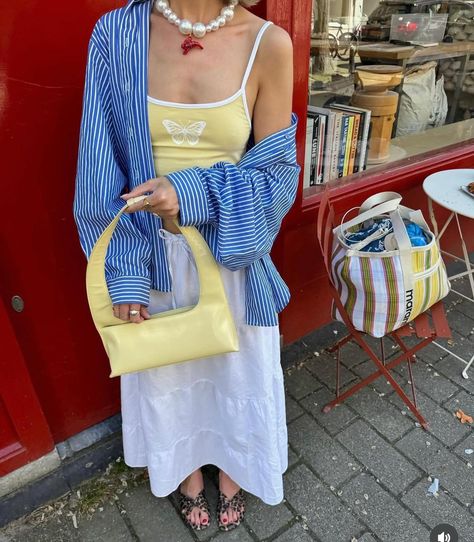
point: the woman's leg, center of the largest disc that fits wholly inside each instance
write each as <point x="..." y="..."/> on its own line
<point x="191" y="487"/>
<point x="229" y="488"/>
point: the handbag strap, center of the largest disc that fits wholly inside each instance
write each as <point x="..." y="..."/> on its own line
<point x="377" y="199"/>
<point x="386" y="206"/>
<point x="389" y="203"/>
<point x="100" y="304"/>
<point x="404" y="248"/>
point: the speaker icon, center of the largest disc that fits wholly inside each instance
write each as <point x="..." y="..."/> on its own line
<point x="444" y="533"/>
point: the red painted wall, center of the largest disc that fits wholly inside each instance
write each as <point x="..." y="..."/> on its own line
<point x="42" y="52"/>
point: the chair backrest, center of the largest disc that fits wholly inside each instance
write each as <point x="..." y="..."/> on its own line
<point x="325" y="226"/>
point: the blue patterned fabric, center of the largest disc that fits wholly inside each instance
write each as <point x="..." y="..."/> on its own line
<point x="417" y="236"/>
<point x="237" y="208"/>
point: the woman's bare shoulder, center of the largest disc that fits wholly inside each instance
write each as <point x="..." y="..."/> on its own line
<point x="276" y="46"/>
<point x="275" y="36"/>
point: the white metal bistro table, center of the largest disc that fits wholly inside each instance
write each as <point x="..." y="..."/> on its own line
<point x="444" y="188"/>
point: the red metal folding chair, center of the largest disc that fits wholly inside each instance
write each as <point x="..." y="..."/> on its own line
<point x="426" y="327"/>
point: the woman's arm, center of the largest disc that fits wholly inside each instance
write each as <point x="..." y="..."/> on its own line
<point x="100" y="181"/>
<point x="272" y="110"/>
<point x="246" y="202"/>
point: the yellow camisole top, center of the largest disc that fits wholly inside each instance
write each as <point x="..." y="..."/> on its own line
<point x="187" y="135"/>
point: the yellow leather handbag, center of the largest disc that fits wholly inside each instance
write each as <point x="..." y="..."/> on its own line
<point x="182" y="334"/>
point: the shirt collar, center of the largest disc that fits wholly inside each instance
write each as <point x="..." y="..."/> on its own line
<point x="131" y="3"/>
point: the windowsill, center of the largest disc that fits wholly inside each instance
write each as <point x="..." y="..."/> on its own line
<point x="404" y="150"/>
<point x="436" y="138"/>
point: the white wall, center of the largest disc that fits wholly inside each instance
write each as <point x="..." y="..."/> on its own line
<point x="351" y="8"/>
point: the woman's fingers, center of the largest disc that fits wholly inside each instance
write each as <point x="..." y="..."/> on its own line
<point x="161" y="198"/>
<point x="162" y="203"/>
<point x="141" y="189"/>
<point x="126" y="312"/>
<point x="144" y="313"/>
<point x="139" y="206"/>
<point x="135" y="313"/>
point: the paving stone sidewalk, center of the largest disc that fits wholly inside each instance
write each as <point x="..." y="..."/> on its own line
<point x="358" y="473"/>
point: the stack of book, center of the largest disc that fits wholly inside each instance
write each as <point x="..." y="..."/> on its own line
<point x="336" y="142"/>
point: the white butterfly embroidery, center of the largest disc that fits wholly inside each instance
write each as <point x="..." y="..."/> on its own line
<point x="189" y="133"/>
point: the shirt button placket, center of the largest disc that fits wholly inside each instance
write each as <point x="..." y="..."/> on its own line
<point x="126" y="86"/>
<point x="127" y="91"/>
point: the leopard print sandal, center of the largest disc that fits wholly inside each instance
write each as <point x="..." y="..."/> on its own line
<point x="186" y="504"/>
<point x="236" y="503"/>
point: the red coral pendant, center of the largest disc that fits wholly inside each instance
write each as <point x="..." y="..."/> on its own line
<point x="188" y="44"/>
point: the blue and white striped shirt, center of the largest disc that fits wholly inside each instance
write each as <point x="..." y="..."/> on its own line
<point x="237" y="208"/>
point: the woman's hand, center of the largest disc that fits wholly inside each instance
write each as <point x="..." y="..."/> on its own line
<point x="131" y="312"/>
<point x="162" y="200"/>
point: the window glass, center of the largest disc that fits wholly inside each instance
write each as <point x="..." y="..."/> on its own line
<point x="388" y="80"/>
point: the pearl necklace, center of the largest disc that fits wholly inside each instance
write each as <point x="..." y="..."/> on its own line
<point x="198" y="30"/>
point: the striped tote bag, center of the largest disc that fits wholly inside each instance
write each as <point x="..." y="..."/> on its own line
<point x="383" y="291"/>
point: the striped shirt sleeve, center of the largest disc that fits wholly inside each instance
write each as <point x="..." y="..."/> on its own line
<point x="100" y="180"/>
<point x="246" y="203"/>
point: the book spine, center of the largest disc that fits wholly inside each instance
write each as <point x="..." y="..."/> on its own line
<point x="327" y="150"/>
<point x="342" y="145"/>
<point x="360" y="134"/>
<point x="321" y="144"/>
<point x="348" y="147"/>
<point x="354" y="144"/>
<point x="314" y="151"/>
<point x="365" y="141"/>
<point x="307" y="153"/>
<point x="335" y="146"/>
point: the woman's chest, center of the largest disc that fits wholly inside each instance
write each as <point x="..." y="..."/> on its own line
<point x="201" y="76"/>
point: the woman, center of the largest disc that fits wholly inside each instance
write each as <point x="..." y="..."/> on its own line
<point x="198" y="117"/>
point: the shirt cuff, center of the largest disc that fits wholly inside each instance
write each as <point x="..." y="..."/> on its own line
<point x="129" y="290"/>
<point x="193" y="201"/>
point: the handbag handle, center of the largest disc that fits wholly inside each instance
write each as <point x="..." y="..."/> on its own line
<point x="386" y="203"/>
<point x="406" y="212"/>
<point x="384" y="207"/>
<point x="377" y="199"/>
<point x="97" y="291"/>
<point x="404" y="248"/>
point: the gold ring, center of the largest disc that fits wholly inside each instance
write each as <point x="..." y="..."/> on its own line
<point x="146" y="203"/>
<point x="133" y="312"/>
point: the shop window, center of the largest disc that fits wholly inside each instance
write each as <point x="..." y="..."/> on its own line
<point x="387" y="80"/>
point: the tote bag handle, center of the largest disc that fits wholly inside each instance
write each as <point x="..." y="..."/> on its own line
<point x="384" y="207"/>
<point x="378" y="199"/>
<point x="406" y="213"/>
<point x="389" y="203"/>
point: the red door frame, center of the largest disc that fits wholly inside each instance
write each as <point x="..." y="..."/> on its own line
<point x="24" y="432"/>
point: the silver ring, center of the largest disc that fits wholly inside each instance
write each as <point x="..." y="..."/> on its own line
<point x="133" y="312"/>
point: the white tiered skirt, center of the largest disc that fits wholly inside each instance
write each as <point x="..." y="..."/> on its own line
<point x="226" y="410"/>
